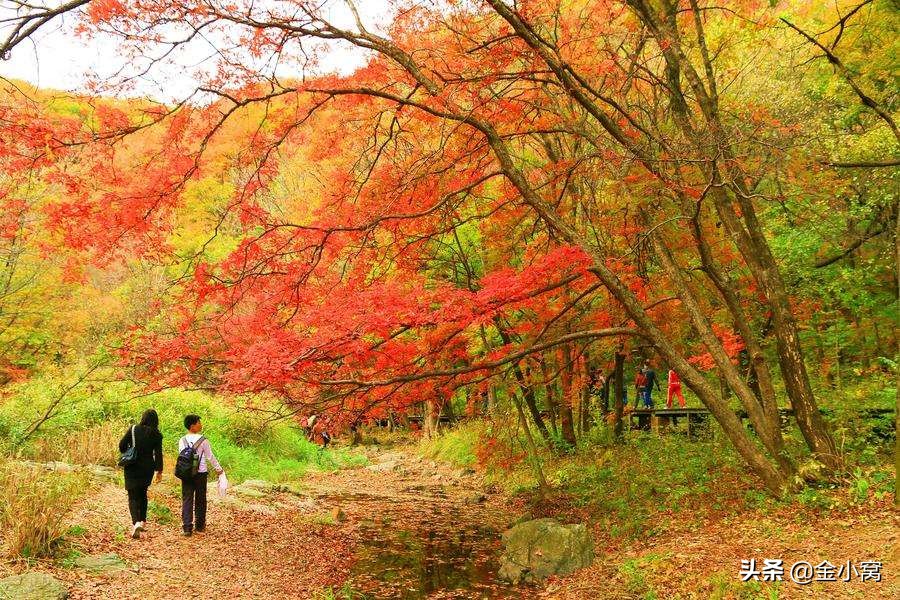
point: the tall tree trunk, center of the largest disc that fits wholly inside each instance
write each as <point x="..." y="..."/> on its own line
<point x="745" y="229"/>
<point x="604" y="394"/>
<point x="532" y="450"/>
<point x="897" y="374"/>
<point x="525" y="387"/>
<point x="767" y="429"/>
<point x="551" y="389"/>
<point x="447" y="410"/>
<point x="566" y="417"/>
<point x="731" y="425"/>
<point x="762" y="377"/>
<point x="430" y="420"/>
<point x="531" y="401"/>
<point x="669" y="45"/>
<point x="758" y="257"/>
<point x="587" y="397"/>
<point x="618" y="392"/>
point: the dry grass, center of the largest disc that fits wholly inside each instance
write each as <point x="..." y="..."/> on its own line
<point x="96" y="445"/>
<point x="33" y="506"/>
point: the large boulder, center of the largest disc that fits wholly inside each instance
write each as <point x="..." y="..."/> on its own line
<point x="32" y="586"/>
<point x="537" y="549"/>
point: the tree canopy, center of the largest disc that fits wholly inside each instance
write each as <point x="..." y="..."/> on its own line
<point x="504" y="196"/>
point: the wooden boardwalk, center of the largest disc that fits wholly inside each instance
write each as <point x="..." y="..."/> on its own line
<point x="660" y="419"/>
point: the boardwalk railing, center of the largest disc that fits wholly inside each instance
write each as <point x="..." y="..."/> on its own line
<point x="658" y="419"/>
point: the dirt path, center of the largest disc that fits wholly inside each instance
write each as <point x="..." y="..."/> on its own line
<point x="408" y="529"/>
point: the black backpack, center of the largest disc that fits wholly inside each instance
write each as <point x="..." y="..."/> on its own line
<point x="188" y="463"/>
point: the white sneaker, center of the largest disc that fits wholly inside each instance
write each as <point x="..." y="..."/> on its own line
<point x="141" y="526"/>
<point x="135" y="531"/>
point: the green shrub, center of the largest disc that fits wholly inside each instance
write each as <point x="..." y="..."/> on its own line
<point x="455" y="446"/>
<point x="87" y="426"/>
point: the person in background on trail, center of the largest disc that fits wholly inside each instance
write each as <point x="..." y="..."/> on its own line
<point x="193" y="489"/>
<point x="147" y="441"/>
<point x="310" y="427"/>
<point x="649" y="381"/>
<point x="320" y="430"/>
<point x="640" y="382"/>
<point x="674" y="389"/>
<point x="355" y="435"/>
<point x="596" y="381"/>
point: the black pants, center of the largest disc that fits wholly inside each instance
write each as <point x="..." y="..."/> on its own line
<point x="137" y="504"/>
<point x="193" y="502"/>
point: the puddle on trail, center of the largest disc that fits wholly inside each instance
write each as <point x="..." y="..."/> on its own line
<point x="412" y="560"/>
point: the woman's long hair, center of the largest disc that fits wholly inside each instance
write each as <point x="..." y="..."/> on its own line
<point x="150" y="419"/>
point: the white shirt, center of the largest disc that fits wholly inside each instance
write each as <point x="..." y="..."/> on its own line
<point x="204" y="450"/>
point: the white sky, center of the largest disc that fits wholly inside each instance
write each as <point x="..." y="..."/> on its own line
<point x="57" y="58"/>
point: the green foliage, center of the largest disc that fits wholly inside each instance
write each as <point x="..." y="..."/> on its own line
<point x="68" y="557"/>
<point x="634" y="572"/>
<point x="455" y="446"/>
<point x="625" y="485"/>
<point x="160" y="513"/>
<point x="814" y="497"/>
<point x="870" y="484"/>
<point x="723" y="585"/>
<point x="345" y="592"/>
<point x="860" y="487"/>
<point x="246" y="444"/>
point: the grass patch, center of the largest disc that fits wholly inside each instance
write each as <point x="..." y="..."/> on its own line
<point x="322" y="519"/>
<point x="635" y="573"/>
<point x="345" y="592"/>
<point x="87" y="427"/>
<point x="94" y="445"/>
<point x="67" y="560"/>
<point x="160" y="513"/>
<point x="33" y="506"/>
<point x="455" y="446"/>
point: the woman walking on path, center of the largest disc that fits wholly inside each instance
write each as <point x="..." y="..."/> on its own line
<point x="148" y="457"/>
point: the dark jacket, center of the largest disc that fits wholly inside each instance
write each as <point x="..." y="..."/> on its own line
<point x="650" y="374"/>
<point x="149" y="456"/>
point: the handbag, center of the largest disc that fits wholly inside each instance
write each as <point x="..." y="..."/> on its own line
<point x="129" y="457"/>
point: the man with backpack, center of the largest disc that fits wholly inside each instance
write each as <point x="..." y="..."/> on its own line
<point x="649" y="381"/>
<point x="192" y="467"/>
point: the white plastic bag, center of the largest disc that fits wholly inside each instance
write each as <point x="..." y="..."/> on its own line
<point x="222" y="487"/>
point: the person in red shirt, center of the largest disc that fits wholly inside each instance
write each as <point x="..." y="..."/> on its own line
<point x="640" y="382"/>
<point x="674" y="389"/>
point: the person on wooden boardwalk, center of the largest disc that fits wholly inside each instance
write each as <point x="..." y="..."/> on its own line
<point x="674" y="389"/>
<point x="640" y="382"/>
<point x="650" y="380"/>
<point x="194" y="457"/>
